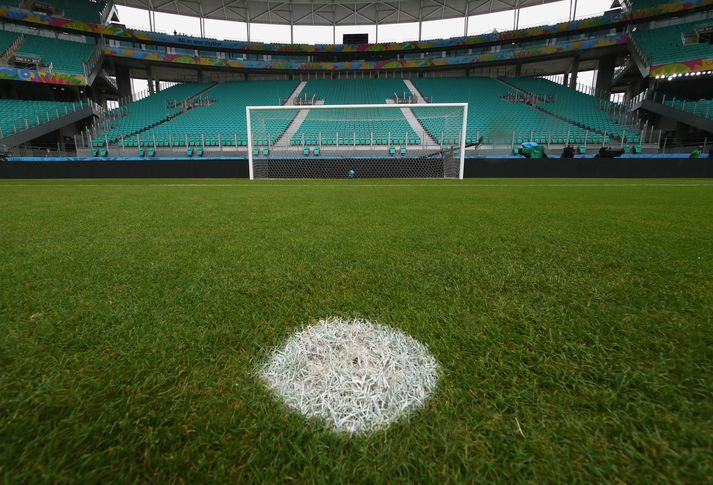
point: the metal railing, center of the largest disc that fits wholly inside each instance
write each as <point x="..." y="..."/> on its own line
<point x="643" y="57"/>
<point x="7" y="53"/>
<point x="90" y="64"/>
<point x="39" y="118"/>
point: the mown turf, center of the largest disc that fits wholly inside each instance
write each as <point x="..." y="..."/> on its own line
<point x="571" y="321"/>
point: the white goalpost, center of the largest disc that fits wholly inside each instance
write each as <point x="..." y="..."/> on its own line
<point x="425" y="140"/>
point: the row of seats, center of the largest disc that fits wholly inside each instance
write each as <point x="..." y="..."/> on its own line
<point x="702" y="107"/>
<point x="64" y="55"/>
<point x="223" y="122"/>
<point x="641" y="4"/>
<point x="580" y="108"/>
<point x="490" y="115"/>
<point x="355" y="126"/>
<point x="146" y="112"/>
<point x="17" y="114"/>
<point x="665" y="45"/>
<point x="84" y="10"/>
<point x="6" y="40"/>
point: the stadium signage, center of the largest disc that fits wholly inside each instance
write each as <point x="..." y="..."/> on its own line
<point x="27" y="60"/>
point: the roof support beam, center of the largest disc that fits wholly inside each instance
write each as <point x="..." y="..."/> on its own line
<point x="420" y="19"/>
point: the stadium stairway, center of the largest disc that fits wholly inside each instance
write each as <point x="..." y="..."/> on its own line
<point x="385" y="127"/>
<point x="284" y="140"/>
<point x="296" y="93"/>
<point x="9" y="43"/>
<point x="220" y="124"/>
<point x="588" y="117"/>
<point x="111" y="137"/>
<point x="415" y="91"/>
<point x="416" y="126"/>
<point x="293" y="128"/>
<point x="491" y="115"/>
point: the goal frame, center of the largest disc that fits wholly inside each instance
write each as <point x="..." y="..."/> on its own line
<point x="250" y="109"/>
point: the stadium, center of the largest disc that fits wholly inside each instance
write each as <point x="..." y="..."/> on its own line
<point x="372" y="241"/>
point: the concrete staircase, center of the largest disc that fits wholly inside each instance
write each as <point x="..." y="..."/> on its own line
<point x="293" y="128"/>
<point x="10" y="51"/>
<point x="99" y="135"/>
<point x="298" y="90"/>
<point x="419" y="97"/>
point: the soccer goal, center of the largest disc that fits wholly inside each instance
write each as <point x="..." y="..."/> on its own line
<point x="357" y="141"/>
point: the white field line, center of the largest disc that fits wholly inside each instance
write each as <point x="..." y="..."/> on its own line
<point x="348" y="185"/>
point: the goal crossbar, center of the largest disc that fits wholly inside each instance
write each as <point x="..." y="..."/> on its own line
<point x="250" y="109"/>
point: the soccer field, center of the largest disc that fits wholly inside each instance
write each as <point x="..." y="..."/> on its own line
<point x="570" y="319"/>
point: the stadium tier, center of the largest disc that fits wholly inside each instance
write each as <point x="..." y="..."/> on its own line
<point x="584" y="110"/>
<point x="667" y="44"/>
<point x="6" y="40"/>
<point x="17" y="115"/>
<point x="63" y="55"/>
<point x="84" y="10"/>
<point x="140" y="115"/>
<point x="492" y="116"/>
<point x="640" y="4"/>
<point x="380" y="127"/>
<point x="221" y="120"/>
<point x="702" y="107"/>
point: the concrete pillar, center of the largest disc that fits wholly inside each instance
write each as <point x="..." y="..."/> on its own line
<point x="518" y="70"/>
<point x="605" y="74"/>
<point x="574" y="71"/>
<point x="565" y="81"/>
<point x="123" y="80"/>
<point x="632" y="90"/>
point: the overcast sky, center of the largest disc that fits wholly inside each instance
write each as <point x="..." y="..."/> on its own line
<point x="543" y="14"/>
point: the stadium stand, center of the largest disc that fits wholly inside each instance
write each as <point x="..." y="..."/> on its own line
<point x="6" y="40"/>
<point x="665" y="45"/>
<point x="140" y="115"/>
<point x="223" y="120"/>
<point x="84" y="10"/>
<point x="702" y="107"/>
<point x="18" y="114"/>
<point x="584" y="110"/>
<point x="63" y="55"/>
<point x="641" y="4"/>
<point x="387" y="126"/>
<point x="492" y="116"/>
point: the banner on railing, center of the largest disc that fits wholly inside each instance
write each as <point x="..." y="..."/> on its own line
<point x="10" y="73"/>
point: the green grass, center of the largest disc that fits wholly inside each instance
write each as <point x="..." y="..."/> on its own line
<point x="571" y="321"/>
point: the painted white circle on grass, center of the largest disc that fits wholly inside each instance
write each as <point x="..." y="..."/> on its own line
<point x="356" y="375"/>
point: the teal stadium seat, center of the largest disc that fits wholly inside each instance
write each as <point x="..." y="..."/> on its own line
<point x="664" y="45"/>
<point x="489" y="114"/>
<point x="583" y="110"/>
<point x="17" y="114"/>
<point x="355" y="124"/>
<point x="64" y="55"/>
<point x="223" y="122"/>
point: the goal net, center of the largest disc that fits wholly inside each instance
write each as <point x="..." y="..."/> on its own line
<point x="357" y="141"/>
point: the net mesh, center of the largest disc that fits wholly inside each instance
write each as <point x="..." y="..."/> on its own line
<point x="356" y="142"/>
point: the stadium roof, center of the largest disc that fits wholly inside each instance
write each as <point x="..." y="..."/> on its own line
<point x="330" y="12"/>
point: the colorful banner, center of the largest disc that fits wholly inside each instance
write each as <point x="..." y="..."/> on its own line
<point x="8" y="73"/>
<point x="124" y="33"/>
<point x="685" y="67"/>
<point x="563" y="47"/>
